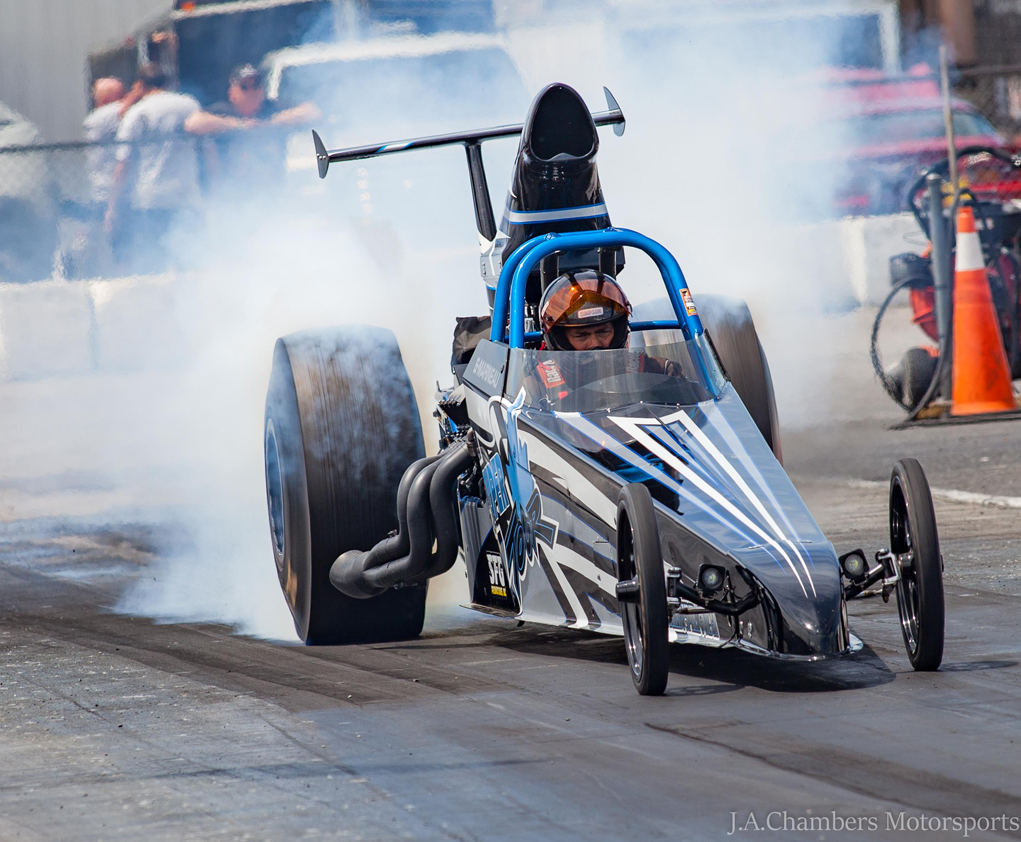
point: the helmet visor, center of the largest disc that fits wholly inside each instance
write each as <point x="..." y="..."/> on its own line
<point x="583" y="299"/>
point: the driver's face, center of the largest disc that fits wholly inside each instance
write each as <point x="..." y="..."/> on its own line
<point x="590" y="338"/>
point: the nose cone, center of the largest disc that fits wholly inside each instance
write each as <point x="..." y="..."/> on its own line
<point x="805" y="606"/>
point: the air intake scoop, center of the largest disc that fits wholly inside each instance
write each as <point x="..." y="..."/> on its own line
<point x="555" y="185"/>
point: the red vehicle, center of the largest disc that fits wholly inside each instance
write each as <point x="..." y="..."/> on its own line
<point x="887" y="131"/>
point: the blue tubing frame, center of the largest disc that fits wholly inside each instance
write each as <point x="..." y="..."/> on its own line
<point x="510" y="290"/>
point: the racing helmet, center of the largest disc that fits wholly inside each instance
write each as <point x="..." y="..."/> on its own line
<point x="582" y="299"/>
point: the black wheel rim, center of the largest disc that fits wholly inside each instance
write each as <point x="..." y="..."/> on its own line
<point x="275" y="494"/>
<point x="908" y="604"/>
<point x="632" y="613"/>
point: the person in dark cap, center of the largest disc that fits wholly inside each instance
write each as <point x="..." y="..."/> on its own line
<point x="246" y="105"/>
<point x="248" y="149"/>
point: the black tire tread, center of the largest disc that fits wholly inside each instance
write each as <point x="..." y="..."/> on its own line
<point x="359" y="430"/>
<point x="918" y="367"/>
<point x="732" y="331"/>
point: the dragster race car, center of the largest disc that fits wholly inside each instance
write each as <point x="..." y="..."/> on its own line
<point x="647" y="501"/>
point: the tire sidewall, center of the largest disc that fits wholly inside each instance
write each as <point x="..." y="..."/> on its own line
<point x="918" y="366"/>
<point x="909" y="481"/>
<point x="635" y="511"/>
<point x="736" y="342"/>
<point x="293" y="558"/>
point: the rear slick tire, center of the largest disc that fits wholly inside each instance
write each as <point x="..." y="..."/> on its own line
<point x="645" y="620"/>
<point x="732" y="331"/>
<point x="341" y="427"/>
<point x="920" y="590"/>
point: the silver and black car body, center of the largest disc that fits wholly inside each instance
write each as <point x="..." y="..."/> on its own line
<point x="540" y="532"/>
<point x="539" y="521"/>
<point x="637" y="491"/>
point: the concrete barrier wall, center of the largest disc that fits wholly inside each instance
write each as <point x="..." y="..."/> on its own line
<point x="73" y="328"/>
<point x="70" y="328"/>
<point x="139" y="323"/>
<point x="869" y="243"/>
<point x="846" y="263"/>
<point x="46" y="330"/>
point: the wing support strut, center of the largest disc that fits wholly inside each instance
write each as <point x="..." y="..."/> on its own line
<point x="471" y="141"/>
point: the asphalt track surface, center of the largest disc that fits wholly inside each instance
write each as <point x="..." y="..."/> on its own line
<point x="115" y="727"/>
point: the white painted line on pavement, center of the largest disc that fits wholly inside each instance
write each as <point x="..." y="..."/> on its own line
<point x="952" y="495"/>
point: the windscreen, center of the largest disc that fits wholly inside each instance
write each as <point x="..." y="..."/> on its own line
<point x="674" y="374"/>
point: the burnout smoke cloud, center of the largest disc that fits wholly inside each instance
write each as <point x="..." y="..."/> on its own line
<point x="708" y="166"/>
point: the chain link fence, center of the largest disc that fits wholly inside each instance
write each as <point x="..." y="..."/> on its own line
<point x="33" y="183"/>
<point x="996" y="92"/>
<point x="54" y="197"/>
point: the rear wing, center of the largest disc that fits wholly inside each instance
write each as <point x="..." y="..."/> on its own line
<point x="472" y="141"/>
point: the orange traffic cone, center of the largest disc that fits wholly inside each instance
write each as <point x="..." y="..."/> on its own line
<point x="981" y="372"/>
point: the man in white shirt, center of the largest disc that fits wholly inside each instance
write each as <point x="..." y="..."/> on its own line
<point x="85" y="250"/>
<point x="160" y="162"/>
<point x="100" y="127"/>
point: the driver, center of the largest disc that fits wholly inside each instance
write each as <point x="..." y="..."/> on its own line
<point x="587" y="311"/>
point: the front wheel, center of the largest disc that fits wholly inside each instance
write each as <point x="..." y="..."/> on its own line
<point x="914" y="539"/>
<point x="643" y="597"/>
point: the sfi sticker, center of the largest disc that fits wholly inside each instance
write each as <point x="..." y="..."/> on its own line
<point x="497" y="580"/>
<point x="689" y="302"/>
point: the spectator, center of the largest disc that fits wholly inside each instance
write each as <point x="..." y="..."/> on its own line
<point x="100" y="127"/>
<point x="161" y="167"/>
<point x="82" y="248"/>
<point x="249" y="158"/>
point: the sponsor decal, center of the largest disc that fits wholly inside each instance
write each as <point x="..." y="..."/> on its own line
<point x="486" y="372"/>
<point x="514" y="499"/>
<point x="497" y="576"/>
<point x="689" y="302"/>
<point x="550" y="374"/>
<point x="701" y="626"/>
<point x="496" y="491"/>
<point x="590" y="311"/>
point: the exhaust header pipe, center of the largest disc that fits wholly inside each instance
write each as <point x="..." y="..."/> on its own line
<point x="426" y="515"/>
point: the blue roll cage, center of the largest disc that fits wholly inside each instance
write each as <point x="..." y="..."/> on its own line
<point x="510" y="289"/>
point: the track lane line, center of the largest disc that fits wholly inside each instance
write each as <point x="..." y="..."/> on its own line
<point x="951" y="495"/>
